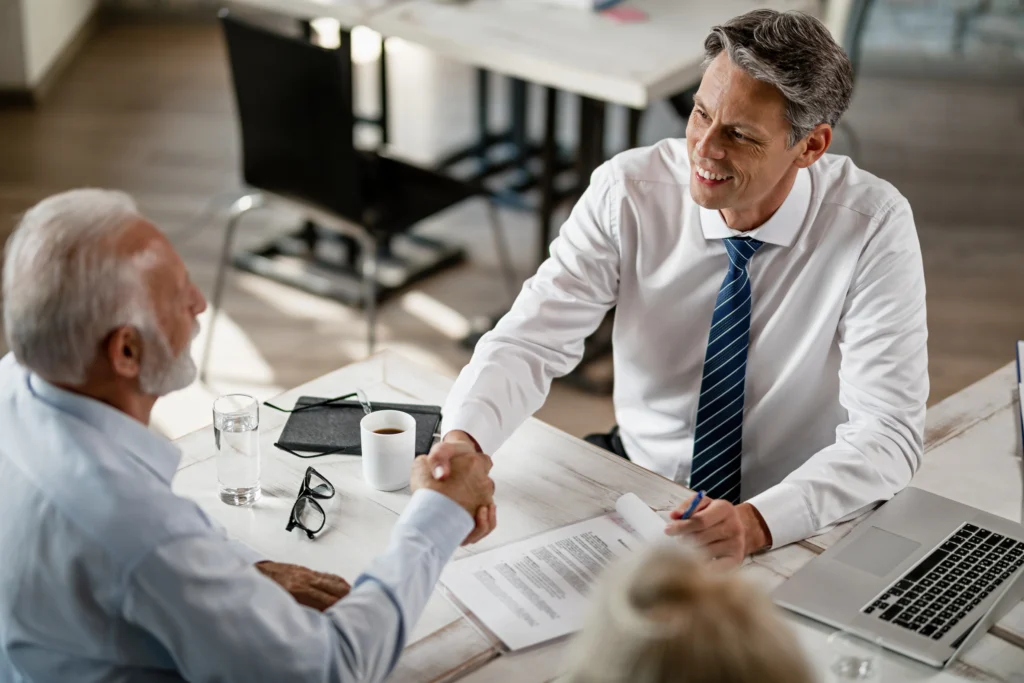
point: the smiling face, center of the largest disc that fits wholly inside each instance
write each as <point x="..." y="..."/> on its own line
<point x="738" y="142"/>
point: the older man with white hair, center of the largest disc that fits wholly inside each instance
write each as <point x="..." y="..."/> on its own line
<point x="106" y="574"/>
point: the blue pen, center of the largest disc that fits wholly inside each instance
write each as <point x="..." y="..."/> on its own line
<point x="693" y="506"/>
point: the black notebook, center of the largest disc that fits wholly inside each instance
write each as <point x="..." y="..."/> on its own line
<point x="335" y="427"/>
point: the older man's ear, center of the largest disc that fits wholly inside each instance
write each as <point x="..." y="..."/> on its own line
<point x="124" y="351"/>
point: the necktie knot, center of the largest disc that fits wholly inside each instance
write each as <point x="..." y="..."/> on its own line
<point x="741" y="249"/>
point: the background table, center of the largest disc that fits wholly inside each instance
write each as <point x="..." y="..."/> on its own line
<point x="589" y="54"/>
<point x="546" y="478"/>
<point x="348" y="13"/>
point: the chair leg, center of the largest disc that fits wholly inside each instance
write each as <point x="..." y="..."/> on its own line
<point x="504" y="254"/>
<point x="634" y="119"/>
<point x="242" y="206"/>
<point x="382" y="72"/>
<point x="370" y="291"/>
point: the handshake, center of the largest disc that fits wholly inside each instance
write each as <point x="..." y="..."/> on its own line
<point x="457" y="469"/>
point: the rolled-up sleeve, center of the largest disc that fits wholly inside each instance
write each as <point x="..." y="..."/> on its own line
<point x="221" y="620"/>
<point x="542" y="336"/>
<point x="883" y="377"/>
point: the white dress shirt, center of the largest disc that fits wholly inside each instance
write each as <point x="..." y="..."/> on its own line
<point x="837" y="370"/>
<point x="107" y="576"/>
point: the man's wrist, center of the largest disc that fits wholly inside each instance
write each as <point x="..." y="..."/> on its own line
<point x="459" y="436"/>
<point x="758" y="536"/>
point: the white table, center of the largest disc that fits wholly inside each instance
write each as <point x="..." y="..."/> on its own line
<point x="585" y="53"/>
<point x="546" y="478"/>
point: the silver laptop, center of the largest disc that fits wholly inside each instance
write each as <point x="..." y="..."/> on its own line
<point x="925" y="574"/>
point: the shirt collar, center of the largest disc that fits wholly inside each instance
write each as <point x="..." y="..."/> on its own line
<point x="780" y="229"/>
<point x="153" y="451"/>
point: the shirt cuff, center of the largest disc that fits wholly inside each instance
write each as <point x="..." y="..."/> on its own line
<point x="248" y="555"/>
<point x="483" y="430"/>
<point x="439" y="519"/>
<point x="785" y="513"/>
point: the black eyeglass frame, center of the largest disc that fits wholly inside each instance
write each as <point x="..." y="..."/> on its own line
<point x="309" y="495"/>
<point x="310" y="406"/>
<point x="357" y="394"/>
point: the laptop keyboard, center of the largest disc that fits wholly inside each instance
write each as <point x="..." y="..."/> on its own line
<point x="935" y="595"/>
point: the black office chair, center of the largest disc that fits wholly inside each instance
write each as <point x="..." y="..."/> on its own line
<point x="294" y="103"/>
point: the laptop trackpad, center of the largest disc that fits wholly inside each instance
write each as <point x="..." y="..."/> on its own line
<point x="877" y="552"/>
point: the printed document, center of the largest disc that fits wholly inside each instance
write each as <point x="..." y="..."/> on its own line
<point x="538" y="589"/>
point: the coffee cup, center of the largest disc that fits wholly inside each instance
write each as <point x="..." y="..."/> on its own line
<point x="388" y="439"/>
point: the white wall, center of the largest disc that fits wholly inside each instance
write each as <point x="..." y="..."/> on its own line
<point x="12" y="56"/>
<point x="49" y="25"/>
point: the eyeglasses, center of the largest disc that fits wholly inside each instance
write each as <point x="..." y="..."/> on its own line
<point x="358" y="394"/>
<point x="307" y="514"/>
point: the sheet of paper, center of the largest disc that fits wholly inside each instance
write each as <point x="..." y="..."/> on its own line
<point x="645" y="521"/>
<point x="535" y="590"/>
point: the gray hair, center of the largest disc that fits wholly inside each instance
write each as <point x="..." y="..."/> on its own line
<point x="64" y="288"/>
<point x="795" y="53"/>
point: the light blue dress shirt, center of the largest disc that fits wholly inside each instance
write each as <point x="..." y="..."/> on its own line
<point x="106" y="575"/>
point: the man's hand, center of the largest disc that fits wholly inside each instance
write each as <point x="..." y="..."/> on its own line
<point x="727" y="532"/>
<point x="467" y="483"/>
<point x="454" y="443"/>
<point x="308" y="587"/>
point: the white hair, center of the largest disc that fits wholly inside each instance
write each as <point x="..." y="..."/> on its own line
<point x="64" y="287"/>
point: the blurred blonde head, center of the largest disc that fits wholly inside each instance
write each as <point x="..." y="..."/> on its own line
<point x="663" y="617"/>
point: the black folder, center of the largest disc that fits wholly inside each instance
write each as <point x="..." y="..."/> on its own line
<point x="335" y="426"/>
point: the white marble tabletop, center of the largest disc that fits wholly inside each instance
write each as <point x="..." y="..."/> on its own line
<point x="546" y="478"/>
<point x="573" y="50"/>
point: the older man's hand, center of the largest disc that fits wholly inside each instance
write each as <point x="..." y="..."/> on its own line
<point x="727" y="532"/>
<point x="466" y="482"/>
<point x="310" y="588"/>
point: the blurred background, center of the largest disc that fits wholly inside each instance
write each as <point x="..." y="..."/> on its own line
<point x="138" y="95"/>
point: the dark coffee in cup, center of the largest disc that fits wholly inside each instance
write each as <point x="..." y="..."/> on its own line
<point x="388" y="430"/>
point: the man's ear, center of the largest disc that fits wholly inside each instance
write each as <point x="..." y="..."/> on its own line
<point x="124" y="351"/>
<point x="814" y="145"/>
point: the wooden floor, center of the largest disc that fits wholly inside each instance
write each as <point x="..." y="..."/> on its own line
<point x="147" y="108"/>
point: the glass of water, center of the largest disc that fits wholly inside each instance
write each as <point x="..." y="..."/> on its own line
<point x="852" y="658"/>
<point x="236" y="430"/>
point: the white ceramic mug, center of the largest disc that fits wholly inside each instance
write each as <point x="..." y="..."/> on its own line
<point x="387" y="458"/>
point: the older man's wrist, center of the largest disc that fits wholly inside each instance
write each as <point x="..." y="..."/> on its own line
<point x="758" y="536"/>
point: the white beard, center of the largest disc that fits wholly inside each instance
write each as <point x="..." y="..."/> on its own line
<point x="161" y="372"/>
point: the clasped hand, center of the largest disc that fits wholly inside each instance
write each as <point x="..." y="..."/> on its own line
<point x="457" y="469"/>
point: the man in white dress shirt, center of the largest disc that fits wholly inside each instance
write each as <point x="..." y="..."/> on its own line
<point x="770" y="331"/>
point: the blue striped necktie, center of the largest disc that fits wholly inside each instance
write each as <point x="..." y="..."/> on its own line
<point x="718" y="435"/>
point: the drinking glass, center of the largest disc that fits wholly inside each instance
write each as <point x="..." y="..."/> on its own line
<point x="852" y="658"/>
<point x="236" y="431"/>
